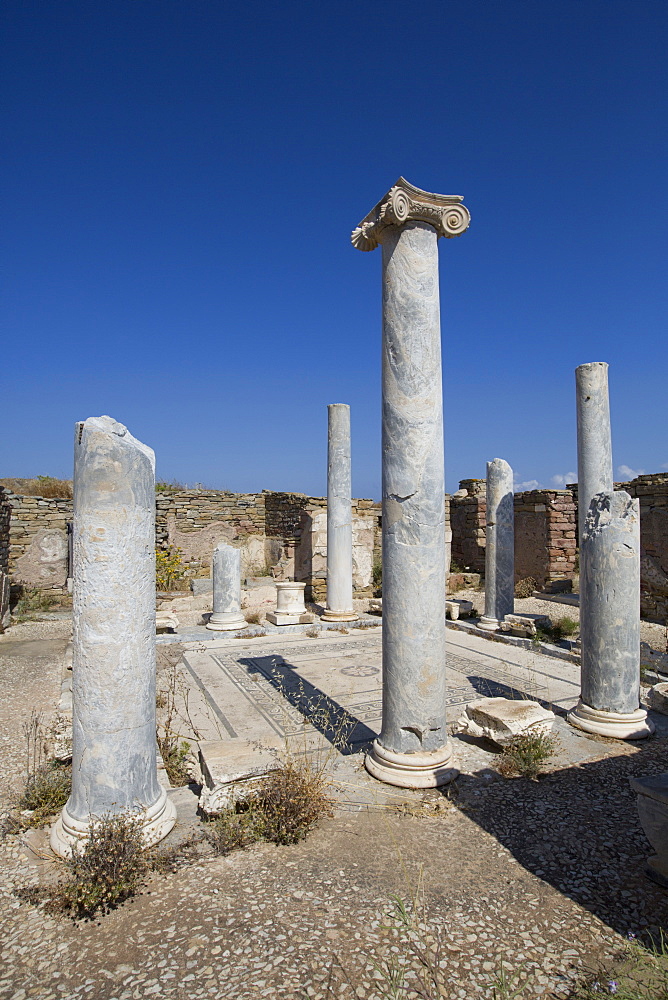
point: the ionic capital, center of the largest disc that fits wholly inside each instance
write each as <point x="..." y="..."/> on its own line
<point x="405" y="203"/>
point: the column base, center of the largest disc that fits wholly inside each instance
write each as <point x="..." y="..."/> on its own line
<point x="412" y="770"/>
<point x="286" y="618"/>
<point x="618" y="725"/>
<point x="157" y="821"/>
<point x="489" y="624"/>
<point x="226" y="621"/>
<point x="339" y="616"/>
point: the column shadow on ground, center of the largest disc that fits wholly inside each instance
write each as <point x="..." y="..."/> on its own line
<point x="345" y="732"/>
<point x="578" y="830"/>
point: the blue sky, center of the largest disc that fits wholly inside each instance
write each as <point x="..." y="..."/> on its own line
<point x="181" y="178"/>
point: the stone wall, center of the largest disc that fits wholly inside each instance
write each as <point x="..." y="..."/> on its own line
<point x="545" y="532"/>
<point x="5" y="521"/>
<point x="652" y="491"/>
<point x="468" y="520"/>
<point x="38" y="543"/>
<point x="545" y="536"/>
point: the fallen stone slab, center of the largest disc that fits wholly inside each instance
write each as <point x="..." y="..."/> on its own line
<point x="524" y="626"/>
<point x="166" y="620"/>
<point x="455" y="609"/>
<point x="499" y="719"/>
<point x="657" y="698"/>
<point x="203" y="585"/>
<point x="653" y="659"/>
<point x="232" y="768"/>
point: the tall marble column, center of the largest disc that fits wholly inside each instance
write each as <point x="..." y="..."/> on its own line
<point x="412" y="749"/>
<point x="499" y="546"/>
<point x="594" y="440"/>
<point x="339" y="517"/>
<point x="114" y="766"/>
<point x="226" y="616"/>
<point x="610" y="620"/>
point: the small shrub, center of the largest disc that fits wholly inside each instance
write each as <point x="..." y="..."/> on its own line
<point x="455" y="567"/>
<point x="525" y="587"/>
<point x="377" y="577"/>
<point x="563" y="627"/>
<point x="162" y="486"/>
<point x="292" y="800"/>
<point x="313" y="632"/>
<point x="174" y="753"/>
<point x="46" y="792"/>
<point x="105" y="870"/>
<point x="31" y="602"/>
<point x="526" y="754"/>
<point x="169" y="568"/>
<point x="236" y="828"/>
<point x="253" y="617"/>
<point x="286" y="805"/>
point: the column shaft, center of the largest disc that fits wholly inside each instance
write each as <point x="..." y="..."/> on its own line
<point x="226" y="614"/>
<point x="610" y="620"/>
<point x="499" y="545"/>
<point x="339" y="516"/>
<point x="113" y="673"/>
<point x="594" y="440"/>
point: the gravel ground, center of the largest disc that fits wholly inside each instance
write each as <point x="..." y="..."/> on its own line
<point x="545" y="876"/>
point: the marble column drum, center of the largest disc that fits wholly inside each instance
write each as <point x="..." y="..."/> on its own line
<point x="499" y="546"/>
<point x="594" y="439"/>
<point x="610" y="620"/>
<point x="412" y="749"/>
<point x="226" y="616"/>
<point x="114" y="760"/>
<point x="339" y="517"/>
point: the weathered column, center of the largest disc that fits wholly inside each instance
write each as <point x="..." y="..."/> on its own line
<point x="413" y="748"/>
<point x="227" y="616"/>
<point x="610" y="620"/>
<point x="114" y="766"/>
<point x="499" y="546"/>
<point x="339" y="517"/>
<point x="594" y="441"/>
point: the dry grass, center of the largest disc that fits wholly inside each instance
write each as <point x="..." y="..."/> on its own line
<point x="40" y="486"/>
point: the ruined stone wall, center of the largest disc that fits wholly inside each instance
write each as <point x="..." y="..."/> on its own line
<point x="38" y="544"/>
<point x="468" y="520"/>
<point x="5" y="520"/>
<point x="545" y="532"/>
<point x="545" y="536"/>
<point x="652" y="491"/>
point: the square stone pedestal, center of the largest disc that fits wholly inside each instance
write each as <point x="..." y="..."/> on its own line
<point x="283" y="618"/>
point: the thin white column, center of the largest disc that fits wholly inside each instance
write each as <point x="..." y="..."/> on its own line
<point x="499" y="546"/>
<point x="610" y="620"/>
<point x="339" y="517"/>
<point x="412" y="749"/>
<point x="114" y="765"/>
<point x="594" y="438"/>
<point x="226" y="616"/>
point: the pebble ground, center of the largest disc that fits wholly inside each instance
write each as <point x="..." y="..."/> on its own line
<point x="545" y="877"/>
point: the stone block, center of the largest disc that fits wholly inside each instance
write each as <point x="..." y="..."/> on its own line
<point x="232" y="768"/>
<point x="455" y="609"/>
<point x="657" y="698"/>
<point x="499" y="719"/>
<point x="201" y="585"/>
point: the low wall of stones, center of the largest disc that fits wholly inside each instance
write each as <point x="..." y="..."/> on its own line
<point x="545" y="536"/>
<point x="38" y="541"/>
<point x="545" y="532"/>
<point x="652" y="491"/>
<point x="5" y="522"/>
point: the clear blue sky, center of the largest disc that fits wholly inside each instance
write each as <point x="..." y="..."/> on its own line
<point x="181" y="178"/>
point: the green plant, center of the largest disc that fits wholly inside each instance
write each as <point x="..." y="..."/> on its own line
<point x="526" y="753"/>
<point x="455" y="567"/>
<point x="174" y="749"/>
<point x="235" y="828"/>
<point x="642" y="974"/>
<point x="377" y="576"/>
<point x="563" y="627"/>
<point x="162" y="486"/>
<point x="169" y="568"/>
<point x="48" y="783"/>
<point x="505" y="986"/>
<point x="525" y="587"/>
<point x="31" y="602"/>
<point x="103" y="871"/>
